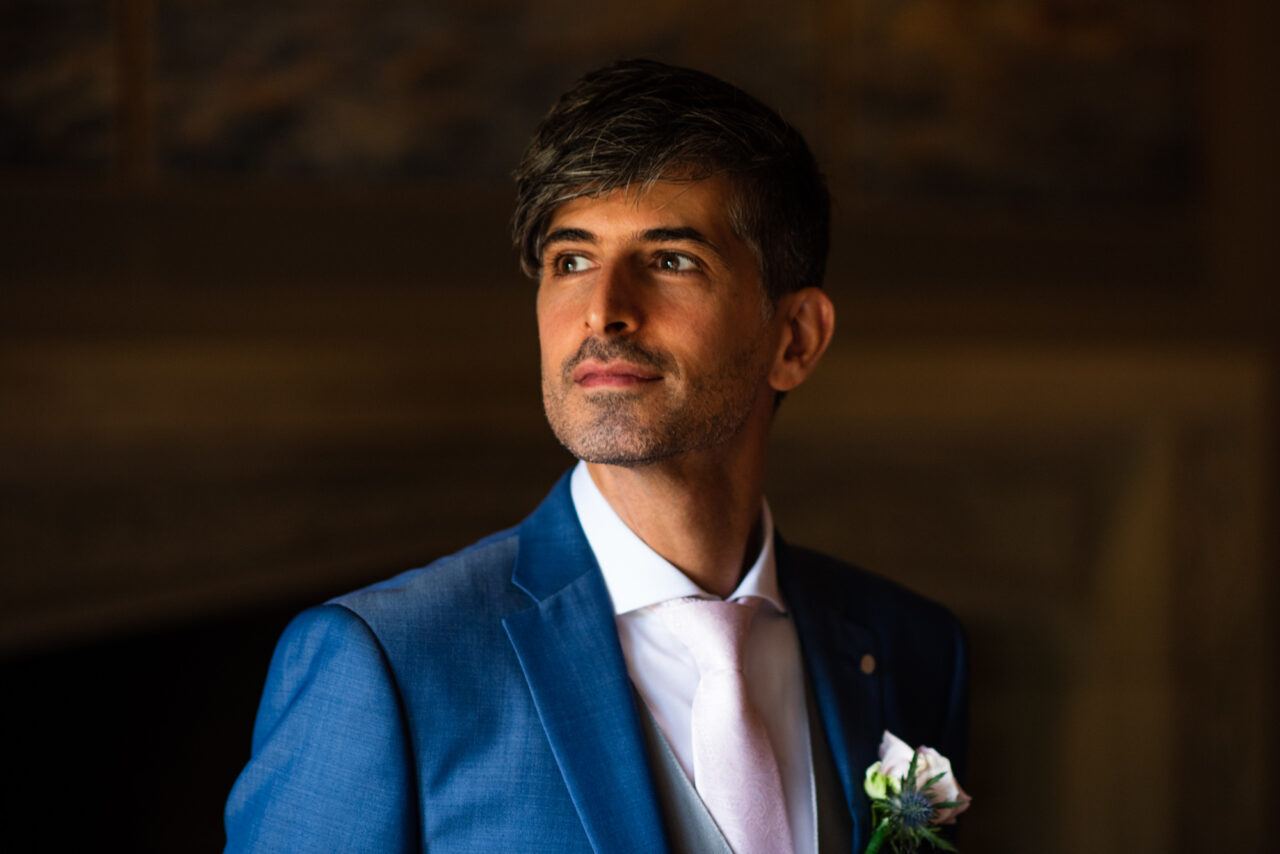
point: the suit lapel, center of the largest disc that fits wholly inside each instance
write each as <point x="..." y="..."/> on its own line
<point x="568" y="648"/>
<point x="833" y="643"/>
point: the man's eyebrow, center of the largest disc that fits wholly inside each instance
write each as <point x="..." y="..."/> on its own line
<point x="568" y="235"/>
<point x="662" y="234"/>
<point x="678" y="233"/>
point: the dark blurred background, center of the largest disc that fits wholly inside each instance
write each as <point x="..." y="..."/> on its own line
<point x="264" y="340"/>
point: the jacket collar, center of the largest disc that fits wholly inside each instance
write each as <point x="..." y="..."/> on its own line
<point x="568" y="648"/>
<point x="838" y="650"/>
<point x="567" y="644"/>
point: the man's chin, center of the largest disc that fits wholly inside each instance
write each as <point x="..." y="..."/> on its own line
<point x="625" y="462"/>
<point x="624" y="437"/>
<point x="608" y="430"/>
<point x="615" y="454"/>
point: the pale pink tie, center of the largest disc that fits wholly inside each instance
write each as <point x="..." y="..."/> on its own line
<point x="734" y="767"/>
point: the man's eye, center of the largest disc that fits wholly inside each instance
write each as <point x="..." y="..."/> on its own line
<point x="672" y="262"/>
<point x="569" y="263"/>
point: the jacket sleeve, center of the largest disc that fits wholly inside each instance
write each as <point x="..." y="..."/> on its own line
<point x="331" y="766"/>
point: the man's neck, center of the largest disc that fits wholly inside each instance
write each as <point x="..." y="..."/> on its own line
<point x="701" y="513"/>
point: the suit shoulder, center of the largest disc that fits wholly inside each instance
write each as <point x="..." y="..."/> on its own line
<point x="875" y="598"/>
<point x="328" y="679"/>
<point x="469" y="582"/>
<point x="920" y="648"/>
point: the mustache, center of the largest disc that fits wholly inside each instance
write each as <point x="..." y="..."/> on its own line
<point x="615" y="349"/>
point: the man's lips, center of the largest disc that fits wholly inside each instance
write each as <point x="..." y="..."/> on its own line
<point x="592" y="374"/>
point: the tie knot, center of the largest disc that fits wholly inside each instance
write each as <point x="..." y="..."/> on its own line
<point x="713" y="630"/>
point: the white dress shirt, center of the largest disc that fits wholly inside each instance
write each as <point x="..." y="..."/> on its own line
<point x="665" y="673"/>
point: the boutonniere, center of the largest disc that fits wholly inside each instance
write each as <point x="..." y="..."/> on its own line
<point x="911" y="792"/>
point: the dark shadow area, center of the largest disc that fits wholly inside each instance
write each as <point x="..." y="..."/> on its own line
<point x="139" y="737"/>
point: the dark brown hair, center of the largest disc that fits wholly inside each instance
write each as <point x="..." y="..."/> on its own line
<point x="639" y="121"/>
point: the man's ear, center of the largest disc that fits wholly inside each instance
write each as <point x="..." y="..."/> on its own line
<point x="809" y="319"/>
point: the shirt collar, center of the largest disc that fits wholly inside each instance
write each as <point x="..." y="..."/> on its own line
<point x="637" y="576"/>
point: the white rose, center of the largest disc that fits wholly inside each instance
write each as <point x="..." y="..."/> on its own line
<point x="877" y="784"/>
<point x="895" y="761"/>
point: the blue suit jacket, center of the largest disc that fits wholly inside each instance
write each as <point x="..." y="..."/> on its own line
<point x="482" y="704"/>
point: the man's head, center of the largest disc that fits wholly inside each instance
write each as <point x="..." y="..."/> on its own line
<point x="678" y="229"/>
<point x="636" y="122"/>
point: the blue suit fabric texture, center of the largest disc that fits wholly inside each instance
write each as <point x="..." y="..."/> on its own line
<point x="481" y="704"/>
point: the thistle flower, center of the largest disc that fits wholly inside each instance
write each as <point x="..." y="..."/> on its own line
<point x="908" y="803"/>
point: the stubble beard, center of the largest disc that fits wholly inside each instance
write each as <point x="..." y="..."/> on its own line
<point x="633" y="428"/>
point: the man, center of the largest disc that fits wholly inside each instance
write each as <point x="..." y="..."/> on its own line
<point x="549" y="688"/>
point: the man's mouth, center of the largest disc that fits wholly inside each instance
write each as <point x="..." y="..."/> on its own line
<point x="618" y="374"/>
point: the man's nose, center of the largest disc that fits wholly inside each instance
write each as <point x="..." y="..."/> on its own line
<point x="614" y="307"/>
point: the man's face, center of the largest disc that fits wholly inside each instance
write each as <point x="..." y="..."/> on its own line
<point x="655" y="331"/>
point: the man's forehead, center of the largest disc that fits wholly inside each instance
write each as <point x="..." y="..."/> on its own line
<point x="673" y="204"/>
